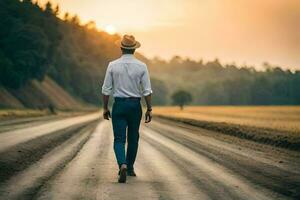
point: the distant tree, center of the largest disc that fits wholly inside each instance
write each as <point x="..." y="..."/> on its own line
<point x="66" y="16"/>
<point x="176" y="60"/>
<point x="56" y="10"/>
<point x="181" y="98"/>
<point x="75" y="20"/>
<point x="90" y="25"/>
<point x="48" y="8"/>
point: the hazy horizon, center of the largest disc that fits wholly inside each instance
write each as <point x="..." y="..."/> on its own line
<point x="243" y="32"/>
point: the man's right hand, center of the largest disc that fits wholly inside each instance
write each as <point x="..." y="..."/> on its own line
<point x="106" y="114"/>
<point x="148" y="116"/>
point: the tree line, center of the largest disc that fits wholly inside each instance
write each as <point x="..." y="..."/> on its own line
<point x="212" y="83"/>
<point x="28" y="41"/>
<point x="35" y="42"/>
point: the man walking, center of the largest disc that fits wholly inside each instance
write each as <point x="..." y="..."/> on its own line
<point x="127" y="79"/>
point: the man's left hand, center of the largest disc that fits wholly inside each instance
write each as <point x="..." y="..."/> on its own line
<point x="106" y="114"/>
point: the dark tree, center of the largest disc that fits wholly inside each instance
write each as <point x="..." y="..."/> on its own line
<point x="181" y="98"/>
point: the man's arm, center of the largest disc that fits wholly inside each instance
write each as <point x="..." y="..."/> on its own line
<point x="105" y="101"/>
<point x="147" y="91"/>
<point x="106" y="91"/>
<point x="148" y="114"/>
<point x="148" y="102"/>
<point x="106" y="112"/>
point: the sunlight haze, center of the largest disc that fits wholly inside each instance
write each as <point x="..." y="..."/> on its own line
<point x="241" y="31"/>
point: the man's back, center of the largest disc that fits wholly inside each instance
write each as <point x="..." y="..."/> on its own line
<point x="127" y="77"/>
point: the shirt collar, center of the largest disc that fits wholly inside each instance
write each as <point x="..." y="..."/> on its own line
<point x="127" y="56"/>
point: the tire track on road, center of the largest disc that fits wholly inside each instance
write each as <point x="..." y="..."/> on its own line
<point x="284" y="180"/>
<point x="197" y="178"/>
<point x="78" y="179"/>
<point x="13" y="138"/>
<point x="9" y="125"/>
<point x="242" y="188"/>
<point x="27" y="183"/>
<point x="19" y="157"/>
<point x="166" y="178"/>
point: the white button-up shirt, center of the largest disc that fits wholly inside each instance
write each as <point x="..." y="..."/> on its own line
<point x="127" y="77"/>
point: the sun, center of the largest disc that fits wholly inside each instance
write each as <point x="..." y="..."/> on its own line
<point x="110" y="29"/>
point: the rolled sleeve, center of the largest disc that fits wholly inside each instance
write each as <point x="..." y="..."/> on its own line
<point x="107" y="86"/>
<point x="146" y="84"/>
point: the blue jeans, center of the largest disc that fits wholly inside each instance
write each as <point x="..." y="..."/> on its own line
<point x="126" y="115"/>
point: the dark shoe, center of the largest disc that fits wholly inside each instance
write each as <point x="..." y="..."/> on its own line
<point x="122" y="175"/>
<point x="131" y="173"/>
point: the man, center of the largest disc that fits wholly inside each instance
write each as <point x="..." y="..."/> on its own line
<point x="127" y="79"/>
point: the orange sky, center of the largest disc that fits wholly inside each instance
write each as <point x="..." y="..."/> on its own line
<point x="240" y="31"/>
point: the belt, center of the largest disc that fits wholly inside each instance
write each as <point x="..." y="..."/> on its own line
<point x="127" y="98"/>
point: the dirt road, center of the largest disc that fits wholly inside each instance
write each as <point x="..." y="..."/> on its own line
<point x="73" y="158"/>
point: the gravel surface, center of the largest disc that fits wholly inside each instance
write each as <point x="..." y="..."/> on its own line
<point x="75" y="160"/>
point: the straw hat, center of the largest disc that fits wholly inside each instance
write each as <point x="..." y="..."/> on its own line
<point x="128" y="42"/>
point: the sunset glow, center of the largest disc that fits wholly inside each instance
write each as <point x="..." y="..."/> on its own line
<point x="110" y="29"/>
<point x="244" y="32"/>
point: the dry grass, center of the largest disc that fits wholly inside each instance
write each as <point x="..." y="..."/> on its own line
<point x="285" y="118"/>
<point x="17" y="113"/>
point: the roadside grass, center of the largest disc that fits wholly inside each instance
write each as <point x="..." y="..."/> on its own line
<point x="10" y="114"/>
<point x="20" y="113"/>
<point x="283" y="118"/>
<point x="274" y="125"/>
